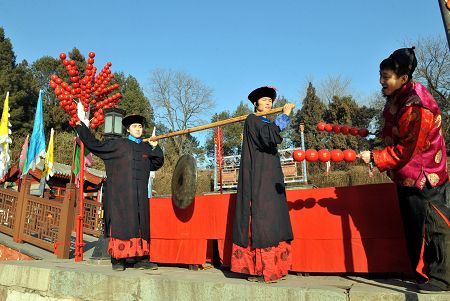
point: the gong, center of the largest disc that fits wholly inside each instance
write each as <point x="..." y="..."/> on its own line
<point x="184" y="181"/>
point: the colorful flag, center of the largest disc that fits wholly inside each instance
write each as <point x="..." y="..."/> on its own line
<point x="5" y="140"/>
<point x="23" y="155"/>
<point x="47" y="171"/>
<point x="87" y="161"/>
<point x="36" y="150"/>
<point x="48" y="163"/>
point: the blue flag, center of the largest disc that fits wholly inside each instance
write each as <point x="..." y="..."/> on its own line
<point x="36" y="149"/>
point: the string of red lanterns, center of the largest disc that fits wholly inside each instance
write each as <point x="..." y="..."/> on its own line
<point x="342" y="129"/>
<point x="91" y="90"/>
<point x="324" y="155"/>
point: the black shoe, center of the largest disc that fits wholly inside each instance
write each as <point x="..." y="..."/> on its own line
<point x="118" y="264"/>
<point x="145" y="265"/>
<point x="428" y="288"/>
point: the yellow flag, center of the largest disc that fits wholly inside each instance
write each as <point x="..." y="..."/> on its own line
<point x="48" y="163"/>
<point x="4" y="123"/>
<point x="5" y="140"/>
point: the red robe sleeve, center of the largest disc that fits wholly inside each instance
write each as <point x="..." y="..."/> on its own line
<point x="413" y="127"/>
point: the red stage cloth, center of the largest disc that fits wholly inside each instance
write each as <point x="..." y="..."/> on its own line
<point x="344" y="229"/>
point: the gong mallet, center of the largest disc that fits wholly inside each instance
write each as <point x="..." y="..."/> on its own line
<point x="212" y="125"/>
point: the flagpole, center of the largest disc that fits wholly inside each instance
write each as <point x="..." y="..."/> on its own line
<point x="79" y="229"/>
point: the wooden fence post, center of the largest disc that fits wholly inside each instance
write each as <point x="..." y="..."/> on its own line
<point x="66" y="222"/>
<point x="20" y="209"/>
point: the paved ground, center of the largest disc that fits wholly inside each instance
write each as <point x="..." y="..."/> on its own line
<point x="50" y="279"/>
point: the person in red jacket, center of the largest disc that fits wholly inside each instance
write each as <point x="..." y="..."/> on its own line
<point x="415" y="159"/>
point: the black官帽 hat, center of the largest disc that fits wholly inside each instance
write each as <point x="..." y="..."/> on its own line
<point x="262" y="92"/>
<point x="405" y="58"/>
<point x="134" y="118"/>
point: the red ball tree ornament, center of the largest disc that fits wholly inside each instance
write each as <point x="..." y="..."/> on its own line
<point x="354" y="131"/>
<point x="321" y="126"/>
<point x="62" y="56"/>
<point x="328" y="128"/>
<point x="311" y="155"/>
<point x="345" y="130"/>
<point x="324" y="155"/>
<point x="363" y="132"/>
<point x="349" y="155"/>
<point x="337" y="128"/>
<point x="337" y="155"/>
<point x="298" y="155"/>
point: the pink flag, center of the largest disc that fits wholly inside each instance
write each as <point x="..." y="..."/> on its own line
<point x="23" y="155"/>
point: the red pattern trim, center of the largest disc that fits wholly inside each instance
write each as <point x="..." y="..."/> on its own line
<point x="136" y="246"/>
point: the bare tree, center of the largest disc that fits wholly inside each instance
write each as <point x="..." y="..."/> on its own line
<point x="433" y="70"/>
<point x="181" y="101"/>
<point x="335" y="85"/>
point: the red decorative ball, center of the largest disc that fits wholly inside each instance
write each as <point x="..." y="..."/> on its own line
<point x="328" y="128"/>
<point x="62" y="56"/>
<point x="324" y="155"/>
<point x="363" y="132"/>
<point x="91" y="55"/>
<point x="311" y="155"/>
<point x="349" y="155"/>
<point x="345" y="130"/>
<point x="337" y="155"/>
<point x="354" y="131"/>
<point x="337" y="128"/>
<point x="298" y="155"/>
<point x="321" y="126"/>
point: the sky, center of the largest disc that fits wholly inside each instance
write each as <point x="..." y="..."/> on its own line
<point x="231" y="46"/>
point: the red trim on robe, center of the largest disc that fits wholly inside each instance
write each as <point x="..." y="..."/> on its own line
<point x="136" y="246"/>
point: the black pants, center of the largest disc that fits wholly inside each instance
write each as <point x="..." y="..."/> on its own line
<point x="425" y="214"/>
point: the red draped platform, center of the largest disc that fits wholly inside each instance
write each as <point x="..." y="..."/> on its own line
<point x="344" y="229"/>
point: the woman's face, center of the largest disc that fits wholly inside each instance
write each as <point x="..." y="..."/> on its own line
<point x="263" y="104"/>
<point x="135" y="130"/>
<point x="390" y="82"/>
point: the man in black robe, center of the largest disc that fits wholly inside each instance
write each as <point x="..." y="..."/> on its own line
<point x="262" y="228"/>
<point x="128" y="162"/>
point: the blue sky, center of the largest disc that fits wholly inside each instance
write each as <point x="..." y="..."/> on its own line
<point x="231" y="46"/>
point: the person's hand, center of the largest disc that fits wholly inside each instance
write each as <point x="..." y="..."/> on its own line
<point x="84" y="116"/>
<point x="287" y="108"/>
<point x="364" y="156"/>
<point x="153" y="143"/>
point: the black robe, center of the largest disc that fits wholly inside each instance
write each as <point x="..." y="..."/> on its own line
<point x="128" y="165"/>
<point x="261" y="183"/>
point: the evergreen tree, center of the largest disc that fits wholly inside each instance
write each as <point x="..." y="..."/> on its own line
<point x="311" y="113"/>
<point x="18" y="80"/>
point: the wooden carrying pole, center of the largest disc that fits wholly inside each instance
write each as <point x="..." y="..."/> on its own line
<point x="212" y="125"/>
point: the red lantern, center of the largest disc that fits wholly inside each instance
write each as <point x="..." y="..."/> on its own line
<point x="311" y="155"/>
<point x="324" y="155"/>
<point x="337" y="155"/>
<point x="345" y="130"/>
<point x="321" y="126"/>
<point x="328" y="128"/>
<point x="337" y="128"/>
<point x="354" y="131"/>
<point x="363" y="132"/>
<point x="349" y="155"/>
<point x="298" y="154"/>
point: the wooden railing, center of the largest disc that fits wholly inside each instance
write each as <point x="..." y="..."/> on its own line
<point x="46" y="223"/>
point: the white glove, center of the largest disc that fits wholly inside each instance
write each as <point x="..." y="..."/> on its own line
<point x="84" y="116"/>
<point x="153" y="143"/>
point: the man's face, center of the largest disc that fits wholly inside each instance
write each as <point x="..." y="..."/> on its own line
<point x="135" y="130"/>
<point x="390" y="82"/>
<point x="263" y="104"/>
